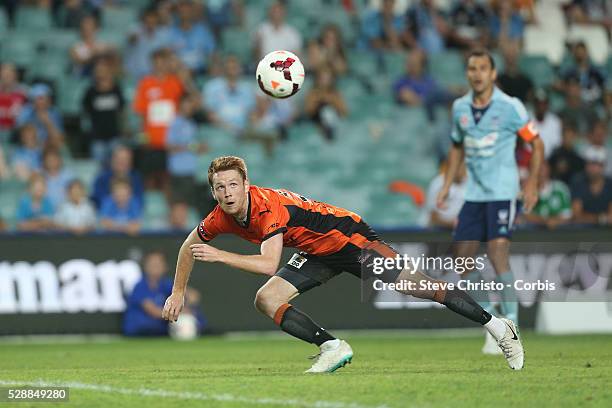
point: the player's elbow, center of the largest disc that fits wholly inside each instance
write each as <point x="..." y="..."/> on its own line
<point x="268" y="269"/>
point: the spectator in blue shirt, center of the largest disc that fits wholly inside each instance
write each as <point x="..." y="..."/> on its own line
<point x="191" y="40"/>
<point x="229" y="100"/>
<point x="145" y="303"/>
<point x="183" y="148"/>
<point x="26" y="158"/>
<point x="56" y="176"/>
<point x="426" y="27"/>
<point x="35" y="211"/>
<point x="417" y="87"/>
<point x="42" y="114"/>
<point x="148" y="37"/>
<point x="120" y="166"/>
<point x="506" y="24"/>
<point x="121" y="212"/>
<point x="383" y="29"/>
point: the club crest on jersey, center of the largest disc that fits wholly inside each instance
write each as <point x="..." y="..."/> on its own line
<point x="502" y="216"/>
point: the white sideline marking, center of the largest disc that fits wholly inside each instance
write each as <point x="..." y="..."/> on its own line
<point x="147" y="392"/>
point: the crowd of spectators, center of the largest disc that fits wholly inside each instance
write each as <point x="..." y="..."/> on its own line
<point x="147" y="137"/>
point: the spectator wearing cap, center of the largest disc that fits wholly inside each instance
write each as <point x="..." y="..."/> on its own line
<point x="565" y="162"/>
<point x="592" y="190"/>
<point x="548" y="123"/>
<point x="592" y="81"/>
<point x="512" y="81"/>
<point x="554" y="206"/>
<point x="43" y="115"/>
<point x="12" y="96"/>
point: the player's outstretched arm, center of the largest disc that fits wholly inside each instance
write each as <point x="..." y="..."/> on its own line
<point x="265" y="263"/>
<point x="184" y="265"/>
<point x="455" y="158"/>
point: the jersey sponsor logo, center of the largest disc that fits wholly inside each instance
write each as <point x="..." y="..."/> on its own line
<point x="297" y="261"/>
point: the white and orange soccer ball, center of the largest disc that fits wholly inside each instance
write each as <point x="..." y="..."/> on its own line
<point x="280" y="74"/>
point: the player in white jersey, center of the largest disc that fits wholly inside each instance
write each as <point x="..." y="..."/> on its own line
<point x="486" y="125"/>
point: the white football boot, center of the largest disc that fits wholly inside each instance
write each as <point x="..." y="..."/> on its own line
<point x="331" y="357"/>
<point x="511" y="346"/>
<point x="490" y="347"/>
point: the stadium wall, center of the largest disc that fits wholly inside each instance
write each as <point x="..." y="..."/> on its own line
<point x="66" y="284"/>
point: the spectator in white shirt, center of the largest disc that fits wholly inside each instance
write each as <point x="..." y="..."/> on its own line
<point x="547" y="123"/>
<point x="77" y="214"/>
<point x="274" y="34"/>
<point x="431" y="215"/>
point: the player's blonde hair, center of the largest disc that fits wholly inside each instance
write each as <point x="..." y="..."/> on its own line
<point x="227" y="163"/>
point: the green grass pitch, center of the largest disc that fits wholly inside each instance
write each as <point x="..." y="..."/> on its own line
<point x="387" y="371"/>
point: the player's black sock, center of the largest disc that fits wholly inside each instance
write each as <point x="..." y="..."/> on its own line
<point x="299" y="325"/>
<point x="460" y="302"/>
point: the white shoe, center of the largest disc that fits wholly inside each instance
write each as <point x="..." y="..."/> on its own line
<point x="511" y="346"/>
<point x="490" y="345"/>
<point x="331" y="357"/>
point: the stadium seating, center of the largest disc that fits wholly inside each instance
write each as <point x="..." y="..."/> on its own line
<point x="33" y="20"/>
<point x="237" y="41"/>
<point x="539" y="41"/>
<point x="18" y="48"/>
<point x="538" y="68"/>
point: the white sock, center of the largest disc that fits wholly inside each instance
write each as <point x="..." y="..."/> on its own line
<point x="332" y="344"/>
<point x="496" y="327"/>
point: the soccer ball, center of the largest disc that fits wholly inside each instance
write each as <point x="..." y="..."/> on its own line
<point x="280" y="74"/>
<point x="185" y="328"/>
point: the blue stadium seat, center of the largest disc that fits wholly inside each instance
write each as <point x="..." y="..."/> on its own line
<point x="448" y="68"/>
<point x="238" y="42"/>
<point x="33" y="19"/>
<point x="71" y="94"/>
<point x="119" y="18"/>
<point x="19" y="48"/>
<point x="538" y="68"/>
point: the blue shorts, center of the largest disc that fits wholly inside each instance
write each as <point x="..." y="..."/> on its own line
<point x="484" y="221"/>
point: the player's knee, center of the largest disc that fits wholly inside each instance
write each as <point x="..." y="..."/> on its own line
<point x="265" y="301"/>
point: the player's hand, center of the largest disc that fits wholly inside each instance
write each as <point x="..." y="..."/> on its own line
<point x="173" y="306"/>
<point x="530" y="196"/>
<point x="441" y="198"/>
<point x="205" y="252"/>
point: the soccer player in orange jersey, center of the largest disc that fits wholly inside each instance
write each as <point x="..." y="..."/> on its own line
<point x="331" y="240"/>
